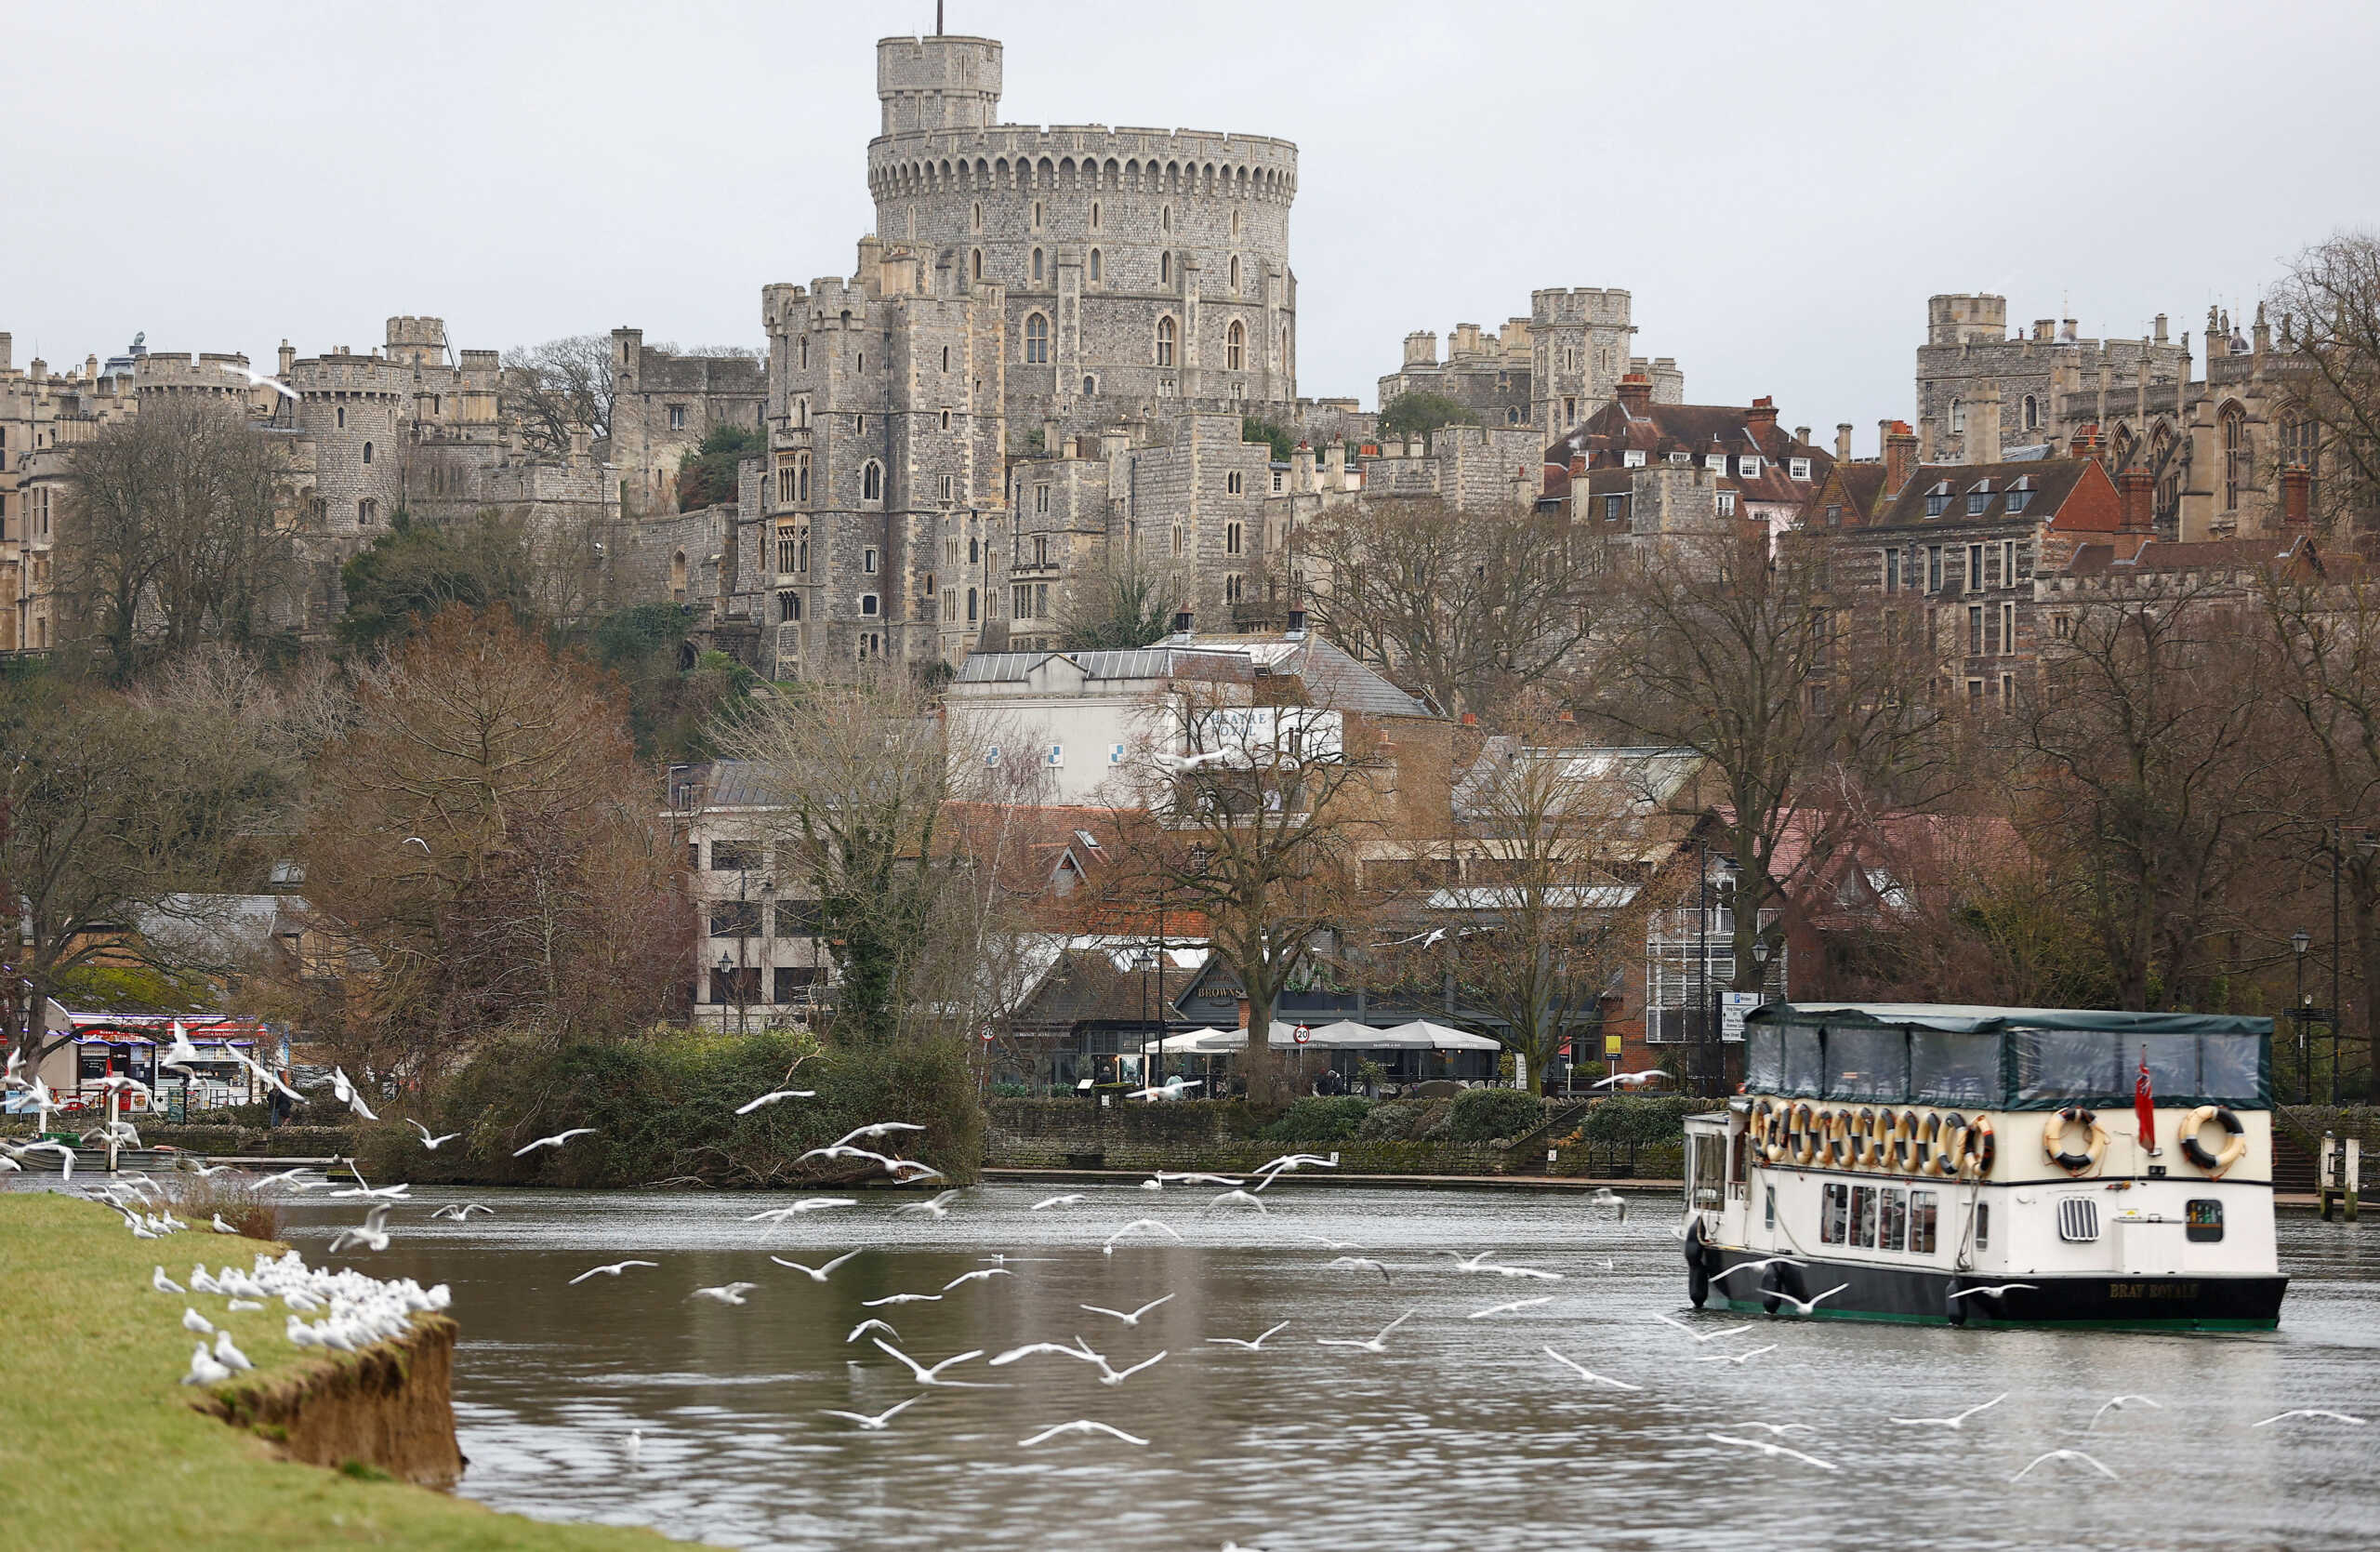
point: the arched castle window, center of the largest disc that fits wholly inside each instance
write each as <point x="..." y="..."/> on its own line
<point x="975" y="217"/>
<point x="1232" y="536"/>
<point x="946" y="358"/>
<point x="975" y="264"/>
<point x="1958" y="414"/>
<point x="946" y="421"/>
<point x="678" y="576"/>
<point x="1234" y="271"/>
<point x="2238" y="461"/>
<point x="1234" y="223"/>
<point x="2300" y="443"/>
<point x="1231" y="485"/>
<point x="1037" y="215"/>
<point x="1165" y="342"/>
<point x="1235" y="345"/>
<point x="1165" y="218"/>
<point x="871" y="480"/>
<point x="1233" y="587"/>
<point x="1177" y="539"/>
<point x="802" y="415"/>
<point x="2168" y="469"/>
<point x="1094" y="215"/>
<point x="970" y="606"/>
<point x="367" y="452"/>
<point x="1037" y="264"/>
<point x="802" y="352"/>
<point x="342" y="417"/>
<point x="1090" y="386"/>
<point x="1091" y="271"/>
<point x="1285" y="350"/>
<point x="1165" y="269"/>
<point x="367" y="512"/>
<point x="2032" y="413"/>
<point x="1036" y="338"/>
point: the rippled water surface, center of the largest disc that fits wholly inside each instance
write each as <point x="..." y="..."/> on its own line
<point x="1462" y="1434"/>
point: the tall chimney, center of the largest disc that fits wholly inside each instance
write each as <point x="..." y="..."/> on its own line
<point x="288" y="358"/>
<point x="1761" y="417"/>
<point x="1900" y="455"/>
<point x="1635" y="393"/>
<point x="2139" y="488"/>
<point x="2086" y="443"/>
<point x="6" y="344"/>
<point x="2296" y="498"/>
<point x="1983" y="426"/>
<point x="1843" y="442"/>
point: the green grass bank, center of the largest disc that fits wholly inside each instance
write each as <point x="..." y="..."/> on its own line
<point x="110" y="1452"/>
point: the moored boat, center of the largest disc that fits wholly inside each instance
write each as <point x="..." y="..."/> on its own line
<point x="1981" y="1165"/>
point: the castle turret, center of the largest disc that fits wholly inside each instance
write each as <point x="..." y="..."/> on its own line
<point x="938" y="82"/>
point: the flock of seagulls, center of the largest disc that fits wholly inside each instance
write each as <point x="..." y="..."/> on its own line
<point x="351" y="1310"/>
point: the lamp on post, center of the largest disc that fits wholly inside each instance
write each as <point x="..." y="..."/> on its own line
<point x="722" y="974"/>
<point x="2300" y="941"/>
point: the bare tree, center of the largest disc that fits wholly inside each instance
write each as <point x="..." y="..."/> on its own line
<point x="1467" y="608"/>
<point x="172" y="533"/>
<point x="556" y="388"/>
<point x="2330" y="307"/>
<point x="1717" y="645"/>
<point x="2152" y="751"/>
<point x="1261" y="814"/>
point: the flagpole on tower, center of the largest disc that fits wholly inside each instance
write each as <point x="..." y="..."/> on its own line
<point x="937" y="17"/>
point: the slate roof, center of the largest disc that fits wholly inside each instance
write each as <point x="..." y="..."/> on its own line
<point x="1331" y="678"/>
<point x="1698" y="430"/>
<point x="2049" y="484"/>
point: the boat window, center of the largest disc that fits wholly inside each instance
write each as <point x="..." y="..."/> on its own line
<point x="1866" y="1064"/>
<point x="1769" y="1205"/>
<point x="1983" y="1225"/>
<point x="1923" y="1213"/>
<point x="2202" y="1220"/>
<point x="2066" y="1063"/>
<point x="1863" y="1216"/>
<point x="1892" y="1233"/>
<point x="1835" y="1215"/>
<point x="1802" y="1066"/>
<point x="2231" y="1068"/>
<point x="1763" y="1059"/>
<point x="1953" y="1070"/>
<point x="2173" y="1062"/>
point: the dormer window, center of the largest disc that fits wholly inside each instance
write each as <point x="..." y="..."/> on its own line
<point x="1751" y="468"/>
<point x="2021" y="494"/>
<point x="1798" y="469"/>
<point x="1632" y="459"/>
<point x="1715" y="462"/>
<point x="1681" y="457"/>
<point x="1726" y="503"/>
<point x="1980" y="498"/>
<point x="1938" y="500"/>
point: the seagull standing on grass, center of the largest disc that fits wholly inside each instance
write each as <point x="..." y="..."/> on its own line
<point x="555" y="1141"/>
<point x="227" y="1354"/>
<point x="163" y="1284"/>
<point x="205" y="1368"/>
<point x="1374" y="1345"/>
<point x="193" y="1320"/>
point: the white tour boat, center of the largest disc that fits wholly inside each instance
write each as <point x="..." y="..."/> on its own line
<point x="2037" y="1166"/>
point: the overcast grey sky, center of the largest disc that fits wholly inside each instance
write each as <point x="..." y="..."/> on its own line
<point x="1780" y="186"/>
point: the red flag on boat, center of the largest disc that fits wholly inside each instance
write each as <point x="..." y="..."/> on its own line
<point x="2143" y="1104"/>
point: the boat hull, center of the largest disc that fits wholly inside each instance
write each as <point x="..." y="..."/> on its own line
<point x="1872" y="1293"/>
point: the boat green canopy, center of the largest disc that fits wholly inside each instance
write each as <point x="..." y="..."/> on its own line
<point x="2004" y="1058"/>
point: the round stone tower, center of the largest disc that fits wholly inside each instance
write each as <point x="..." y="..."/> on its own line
<point x="1146" y="270"/>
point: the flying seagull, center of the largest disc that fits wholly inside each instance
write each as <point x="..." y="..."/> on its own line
<point x="1700" y="1336"/>
<point x="1374" y="1345"/>
<point x="875" y="1424"/>
<point x="373" y="1234"/>
<point x="1764" y="1261"/>
<point x="818" y="1273"/>
<point x="939" y="1207"/>
<point x="1996" y="1290"/>
<point x="2311" y="1411"/>
<point x="1056" y="1202"/>
<point x="1360" y="1262"/>
<point x="773" y="1097"/>
<point x="1810" y="1304"/>
<point x="461" y="1211"/>
<point x="1736" y="1357"/>
<point x="2064" y="1454"/>
<point x="978" y="1275"/>
<point x="1109" y="1375"/>
<point x="726" y="1292"/>
<point x="933" y="1375"/>
<point x="615" y="1270"/>
<point x="1958" y="1421"/>
<point x="1587" y="1374"/>
<point x="2118" y="1404"/>
<point x="1134" y="1318"/>
<point x="1767" y="1449"/>
<point x="555" y="1141"/>
<point x="427" y="1140"/>
<point x="1109" y="1248"/>
<point x="1256" y="1345"/>
<point x="1079" y="1426"/>
<point x="807" y="1204"/>
<point x="865" y="1326"/>
<point x="258" y="380"/>
<point x="1059" y="1348"/>
<point x="1242" y="1197"/>
<point x="1508" y="1309"/>
<point x="900" y="1298"/>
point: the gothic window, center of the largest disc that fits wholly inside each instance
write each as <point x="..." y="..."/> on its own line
<point x="1095" y="216"/>
<point x="975" y="223"/>
<point x="1165" y="342"/>
<point x="1036" y="340"/>
<point x="678" y="576"/>
<point x="788" y="607"/>
<point x="367" y="452"/>
<point x="2300" y="443"/>
<point x="1165" y="218"/>
<point x="974" y="549"/>
<point x="677" y="417"/>
<point x="1234" y="271"/>
<point x="1037" y="219"/>
<point x="970" y="606"/>
<point x="868" y="561"/>
<point x="1234" y="344"/>
<point x="1090" y="386"/>
<point x="1232" y="538"/>
<point x="1092" y="272"/>
<point x="946" y="421"/>
<point x="1177" y="539"/>
<point x="975" y="264"/>
<point x="871" y="480"/>
<point x="867" y="604"/>
<point x="949" y="488"/>
<point x="859" y="425"/>
<point x="946" y="358"/>
<point x="788" y="480"/>
<point x="1232" y="482"/>
<point x="2032" y="413"/>
<point x="1165" y="269"/>
<point x="789" y="547"/>
<point x="2238" y="462"/>
<point x="1958" y="414"/>
<point x="802" y="350"/>
<point x="342" y="417"/>
<point x="1234" y="224"/>
<point x="1233" y="587"/>
<point x="802" y="415"/>
<point x="367" y="511"/>
<point x="2168" y="469"/>
<point x="1037" y="265"/>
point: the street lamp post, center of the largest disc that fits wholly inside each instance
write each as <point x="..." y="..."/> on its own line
<point x="725" y="973"/>
<point x="2302" y="940"/>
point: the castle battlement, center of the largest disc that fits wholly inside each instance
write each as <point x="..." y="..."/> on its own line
<point x="1582" y="304"/>
<point x="1085" y="156"/>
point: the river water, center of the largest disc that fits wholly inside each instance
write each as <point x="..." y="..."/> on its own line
<point x="1462" y="1434"/>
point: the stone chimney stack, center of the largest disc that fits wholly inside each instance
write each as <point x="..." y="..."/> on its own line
<point x="1900" y="454"/>
<point x="1635" y="395"/>
<point x="1983" y="426"/>
<point x="2160" y="328"/>
<point x="1843" y="442"/>
<point x="1761" y="417"/>
<point x="2138" y="489"/>
<point x="2086" y="444"/>
<point x="5" y="345"/>
<point x="2296" y="499"/>
<point x="288" y="358"/>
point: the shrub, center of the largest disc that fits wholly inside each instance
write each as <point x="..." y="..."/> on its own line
<point x="1402" y="1120"/>
<point x="1487" y="1115"/>
<point x="1316" y="1120"/>
<point x="1637" y="1119"/>
<point x="663" y="1106"/>
<point x="196" y="1198"/>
